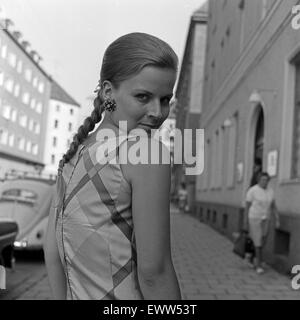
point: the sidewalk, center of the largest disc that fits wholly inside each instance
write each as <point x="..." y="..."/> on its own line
<point x="208" y="269"/>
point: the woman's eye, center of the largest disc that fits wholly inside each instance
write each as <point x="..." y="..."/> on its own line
<point x="142" y="97"/>
<point x="166" y="101"/>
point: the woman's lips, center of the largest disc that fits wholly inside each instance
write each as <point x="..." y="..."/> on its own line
<point x="149" y="125"/>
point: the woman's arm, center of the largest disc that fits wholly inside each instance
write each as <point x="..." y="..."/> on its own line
<point x="54" y="266"/>
<point x="151" y="218"/>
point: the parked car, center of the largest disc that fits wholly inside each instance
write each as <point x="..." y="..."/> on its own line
<point x="8" y="233"/>
<point x="27" y="200"/>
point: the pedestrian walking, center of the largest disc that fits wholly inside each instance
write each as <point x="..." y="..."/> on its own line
<point x="109" y="232"/>
<point x="260" y="204"/>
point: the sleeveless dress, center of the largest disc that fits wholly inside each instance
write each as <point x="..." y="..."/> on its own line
<point x="94" y="227"/>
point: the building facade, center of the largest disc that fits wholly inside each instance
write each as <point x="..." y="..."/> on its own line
<point x="189" y="92"/>
<point x="251" y="113"/>
<point x="24" y="95"/>
<point x="62" y="124"/>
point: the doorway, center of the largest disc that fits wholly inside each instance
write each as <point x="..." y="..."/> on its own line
<point x="258" y="146"/>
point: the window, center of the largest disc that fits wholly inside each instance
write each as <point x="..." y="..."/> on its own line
<point x="219" y="167"/>
<point x="68" y="143"/>
<point x="13" y="115"/>
<point x="56" y="124"/>
<point x="213" y="176"/>
<point x="296" y="141"/>
<point x="206" y="178"/>
<point x="20" y="66"/>
<point x="39" y="108"/>
<point x="3" y="136"/>
<point x="4" y="52"/>
<point x="28" y="146"/>
<point x="212" y="77"/>
<point x="12" y="60"/>
<point x="54" y="142"/>
<point x="41" y="87"/>
<point x="70" y="126"/>
<point x="17" y="90"/>
<point x="32" y="103"/>
<point x="35" y="82"/>
<point x="231" y="155"/>
<point x="26" y="98"/>
<point x="1" y="78"/>
<point x="28" y="74"/>
<point x="35" y="149"/>
<point x="31" y="124"/>
<point x="57" y="107"/>
<point x="19" y="195"/>
<point x="11" y="140"/>
<point x="23" y="120"/>
<point x="71" y="112"/>
<point x="52" y="159"/>
<point x="6" y="112"/>
<point x="21" y="143"/>
<point x="36" y="128"/>
<point x="9" y="85"/>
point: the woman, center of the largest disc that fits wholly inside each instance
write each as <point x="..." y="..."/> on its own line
<point x="109" y="235"/>
<point x="260" y="204"/>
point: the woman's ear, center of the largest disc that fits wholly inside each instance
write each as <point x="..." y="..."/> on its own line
<point x="107" y="89"/>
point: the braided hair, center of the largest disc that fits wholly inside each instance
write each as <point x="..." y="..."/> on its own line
<point x="124" y="58"/>
<point x="83" y="131"/>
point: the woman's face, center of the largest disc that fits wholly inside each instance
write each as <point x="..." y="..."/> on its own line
<point x="263" y="182"/>
<point x="143" y="100"/>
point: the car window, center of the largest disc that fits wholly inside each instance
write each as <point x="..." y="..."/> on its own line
<point x="19" y="195"/>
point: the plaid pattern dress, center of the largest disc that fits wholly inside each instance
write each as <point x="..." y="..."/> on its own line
<point x="94" y="228"/>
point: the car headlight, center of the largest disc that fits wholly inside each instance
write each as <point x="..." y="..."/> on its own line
<point x="21" y="244"/>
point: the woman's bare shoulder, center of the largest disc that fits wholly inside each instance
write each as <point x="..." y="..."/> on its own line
<point x="145" y="157"/>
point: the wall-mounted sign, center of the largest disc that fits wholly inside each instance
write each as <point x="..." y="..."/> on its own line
<point x="272" y="163"/>
<point x="240" y="171"/>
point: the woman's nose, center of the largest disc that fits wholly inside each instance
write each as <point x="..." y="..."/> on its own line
<point x="155" y="110"/>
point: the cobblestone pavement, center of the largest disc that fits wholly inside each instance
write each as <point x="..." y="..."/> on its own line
<point x="206" y="267"/>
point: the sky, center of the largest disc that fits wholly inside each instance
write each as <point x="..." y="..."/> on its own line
<point x="72" y="35"/>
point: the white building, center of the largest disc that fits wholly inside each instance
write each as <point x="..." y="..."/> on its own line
<point x="24" y="94"/>
<point x="62" y="124"/>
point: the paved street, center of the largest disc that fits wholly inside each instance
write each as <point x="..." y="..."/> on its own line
<point x="206" y="267"/>
<point x="28" y="281"/>
<point x="209" y="270"/>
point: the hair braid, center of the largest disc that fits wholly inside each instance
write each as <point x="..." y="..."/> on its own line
<point x="83" y="131"/>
